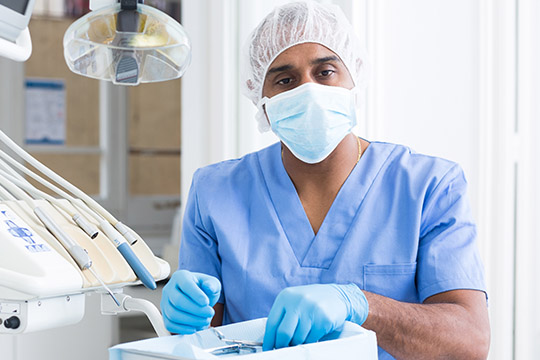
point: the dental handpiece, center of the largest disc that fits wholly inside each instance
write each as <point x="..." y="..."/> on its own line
<point x="123" y="247"/>
<point x="77" y="252"/>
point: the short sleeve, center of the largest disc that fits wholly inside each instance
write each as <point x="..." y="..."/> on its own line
<point x="198" y="244"/>
<point x="448" y="256"/>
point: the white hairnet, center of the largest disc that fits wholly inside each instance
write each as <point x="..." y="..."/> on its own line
<point x="292" y="24"/>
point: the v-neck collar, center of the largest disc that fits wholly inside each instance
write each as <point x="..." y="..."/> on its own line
<point x="319" y="250"/>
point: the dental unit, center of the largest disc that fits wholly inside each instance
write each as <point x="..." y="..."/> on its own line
<point x="54" y="250"/>
<point x="53" y="254"/>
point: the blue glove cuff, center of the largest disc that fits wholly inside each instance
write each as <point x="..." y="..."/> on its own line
<point x="357" y="304"/>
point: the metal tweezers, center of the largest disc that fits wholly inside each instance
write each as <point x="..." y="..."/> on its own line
<point x="233" y="346"/>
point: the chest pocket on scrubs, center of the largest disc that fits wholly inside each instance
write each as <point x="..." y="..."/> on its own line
<point x="397" y="281"/>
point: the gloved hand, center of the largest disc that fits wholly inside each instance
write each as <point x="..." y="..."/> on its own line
<point x="304" y="314"/>
<point x="187" y="301"/>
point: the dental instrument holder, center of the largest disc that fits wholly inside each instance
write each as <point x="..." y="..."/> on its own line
<point x="45" y="257"/>
<point x="49" y="293"/>
<point x="128" y="303"/>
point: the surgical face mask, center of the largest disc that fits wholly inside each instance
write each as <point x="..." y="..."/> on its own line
<point x="312" y="119"/>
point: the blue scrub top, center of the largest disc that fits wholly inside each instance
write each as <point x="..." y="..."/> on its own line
<point x="400" y="226"/>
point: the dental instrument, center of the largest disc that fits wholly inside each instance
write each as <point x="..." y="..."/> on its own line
<point x="233" y="346"/>
<point x="222" y="337"/>
<point x="104" y="286"/>
<point x="231" y="349"/>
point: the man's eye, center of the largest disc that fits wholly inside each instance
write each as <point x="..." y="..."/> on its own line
<point x="284" y="81"/>
<point x="327" y="72"/>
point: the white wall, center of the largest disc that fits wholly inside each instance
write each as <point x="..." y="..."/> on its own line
<point x="425" y="77"/>
<point x="527" y="317"/>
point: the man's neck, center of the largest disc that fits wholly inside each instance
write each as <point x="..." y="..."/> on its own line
<point x="329" y="174"/>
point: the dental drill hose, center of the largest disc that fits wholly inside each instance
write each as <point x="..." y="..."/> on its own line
<point x="124" y="231"/>
<point x="89" y="228"/>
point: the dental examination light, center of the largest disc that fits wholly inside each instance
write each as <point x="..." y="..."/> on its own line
<point x="128" y="43"/>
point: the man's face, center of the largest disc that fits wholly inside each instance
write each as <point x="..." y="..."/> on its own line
<point x="305" y="63"/>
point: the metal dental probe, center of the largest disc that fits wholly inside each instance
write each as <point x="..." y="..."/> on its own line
<point x="104" y="286"/>
<point x="223" y="338"/>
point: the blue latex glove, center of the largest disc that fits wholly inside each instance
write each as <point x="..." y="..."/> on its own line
<point x="187" y="301"/>
<point x="304" y="314"/>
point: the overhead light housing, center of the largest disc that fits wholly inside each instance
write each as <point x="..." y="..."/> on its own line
<point x="127" y="43"/>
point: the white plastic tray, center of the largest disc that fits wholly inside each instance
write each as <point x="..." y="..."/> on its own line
<point x="352" y="342"/>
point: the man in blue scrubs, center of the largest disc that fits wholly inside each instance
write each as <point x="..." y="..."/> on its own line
<point x="325" y="227"/>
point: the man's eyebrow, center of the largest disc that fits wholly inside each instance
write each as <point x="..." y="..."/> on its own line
<point x="280" y="68"/>
<point x="324" y="59"/>
<point x="313" y="62"/>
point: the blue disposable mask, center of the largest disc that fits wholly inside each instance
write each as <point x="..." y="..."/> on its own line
<point x="312" y="119"/>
